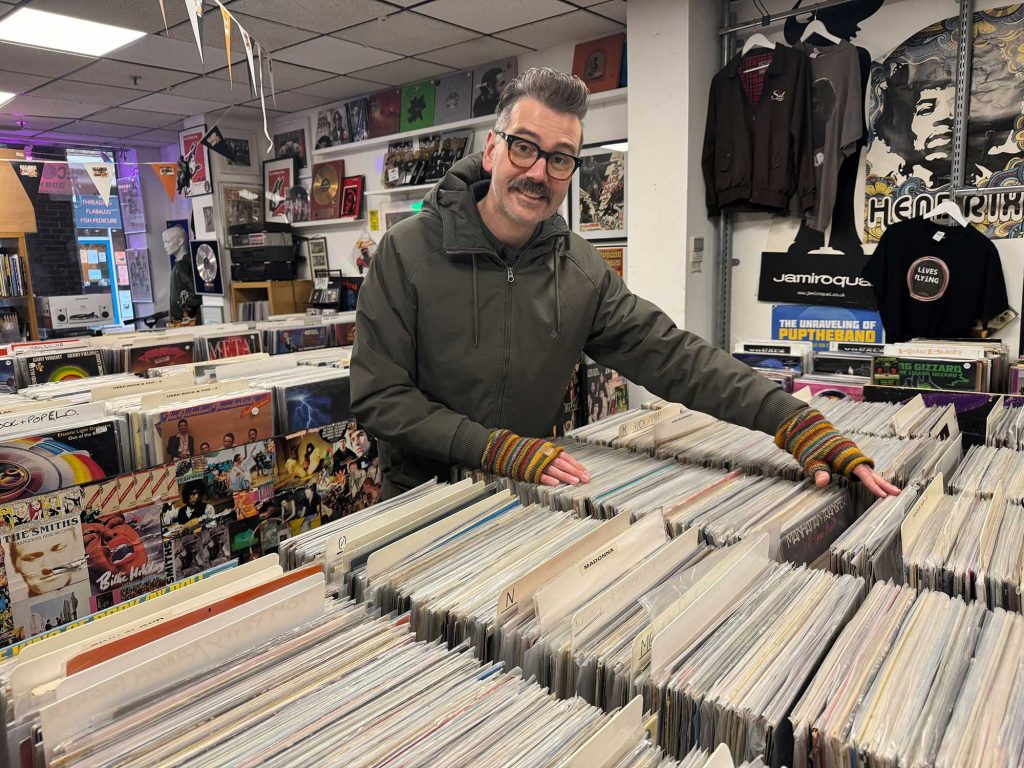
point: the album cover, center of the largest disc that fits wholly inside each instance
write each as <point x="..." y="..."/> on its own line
<point x="244" y="537"/>
<point x="926" y="373"/>
<point x="8" y="383"/>
<point x="299" y="339"/>
<point x="313" y="404"/>
<point x="221" y="424"/>
<point x="232" y="345"/>
<point x="778" y="362"/>
<point x="326" y="189"/>
<point x="599" y="63"/>
<point x="239" y="469"/>
<point x="33" y="509"/>
<point x="124" y="552"/>
<point x="358" y="118"/>
<point x="196" y="552"/>
<point x="385" y="113"/>
<point x="605" y="392"/>
<point x="340" y="461"/>
<point x="489" y="81"/>
<point x="291" y="144"/>
<point x="417" y="106"/>
<point x="142" y="358"/>
<point x="831" y="390"/>
<point x="848" y="365"/>
<point x="350" y="292"/>
<point x="352" y="197"/>
<point x="58" y="459"/>
<point x="332" y="127"/>
<point x="44" y="557"/>
<point x="344" y="334"/>
<point x="206" y="271"/>
<point x="452" y="98"/>
<point x="49" y="367"/>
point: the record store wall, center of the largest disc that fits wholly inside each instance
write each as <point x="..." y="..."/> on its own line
<point x="881" y="27"/>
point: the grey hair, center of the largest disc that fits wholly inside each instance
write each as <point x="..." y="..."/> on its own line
<point x="555" y="90"/>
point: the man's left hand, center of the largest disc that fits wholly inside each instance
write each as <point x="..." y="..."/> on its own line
<point x="873" y="481"/>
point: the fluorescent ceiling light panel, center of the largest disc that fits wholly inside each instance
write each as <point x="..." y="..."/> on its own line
<point x="622" y="146"/>
<point x="5" y="97"/>
<point x="57" y="32"/>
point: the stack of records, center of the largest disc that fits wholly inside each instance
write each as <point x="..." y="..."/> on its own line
<point x="308" y="398"/>
<point x="1016" y="378"/>
<point x="985" y="469"/>
<point x="44" y="367"/>
<point x="1006" y="428"/>
<point x="834" y="386"/>
<point x="154" y="351"/>
<point x="75" y="390"/>
<point x="916" y="680"/>
<point x="978" y="366"/>
<point x="852" y="417"/>
<point x="872" y="548"/>
<point x="280" y="338"/>
<point x="781" y="361"/>
<point x="343" y="328"/>
<point x="220" y="344"/>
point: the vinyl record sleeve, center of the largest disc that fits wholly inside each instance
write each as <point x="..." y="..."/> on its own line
<point x="385" y="109"/>
<point x="417" y="106"/>
<point x="452" y="98"/>
<point x="64" y="366"/>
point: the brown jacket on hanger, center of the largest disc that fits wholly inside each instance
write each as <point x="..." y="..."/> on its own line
<point x="757" y="156"/>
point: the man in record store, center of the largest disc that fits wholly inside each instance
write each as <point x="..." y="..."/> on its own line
<point x="475" y="311"/>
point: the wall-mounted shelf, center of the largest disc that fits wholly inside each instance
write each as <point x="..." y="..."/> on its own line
<point x="399" y="190"/>
<point x="325" y="223"/>
<point x="334" y="153"/>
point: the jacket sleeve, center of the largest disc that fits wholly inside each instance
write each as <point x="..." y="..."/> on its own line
<point x="803" y="138"/>
<point x="708" y="155"/>
<point x="637" y="339"/>
<point x="385" y="398"/>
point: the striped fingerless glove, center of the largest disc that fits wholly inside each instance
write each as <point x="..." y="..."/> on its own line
<point x="521" y="458"/>
<point x="815" y="443"/>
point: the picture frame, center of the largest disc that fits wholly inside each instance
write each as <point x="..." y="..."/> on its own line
<point x="352" y="197"/>
<point x="242" y="205"/>
<point x="139" y="277"/>
<point x="129" y="192"/>
<point x="614" y="255"/>
<point x="291" y="139"/>
<point x="206" y="268"/>
<point x="245" y="150"/>
<point x="318" y="262"/>
<point x="598" y="193"/>
<point x="279" y="176"/>
<point x="204" y="218"/>
<point x="202" y="174"/>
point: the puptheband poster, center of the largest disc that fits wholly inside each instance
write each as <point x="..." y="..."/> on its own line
<point x="911" y="100"/>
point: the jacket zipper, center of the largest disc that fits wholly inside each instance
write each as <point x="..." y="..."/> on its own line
<point x="508" y="338"/>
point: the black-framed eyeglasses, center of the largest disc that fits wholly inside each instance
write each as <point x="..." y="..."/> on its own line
<point x="524" y="153"/>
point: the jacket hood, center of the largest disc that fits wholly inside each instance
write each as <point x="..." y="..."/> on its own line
<point x="452" y="200"/>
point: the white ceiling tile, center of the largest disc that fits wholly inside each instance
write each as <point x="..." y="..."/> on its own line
<point x="213" y="89"/>
<point x="30" y="105"/>
<point x="576" y="26"/>
<point x="136" y="117"/>
<point x="33" y="125"/>
<point x="173" y="105"/>
<point x="613" y="9"/>
<point x="106" y="130"/>
<point x="474" y="52"/>
<point x="491" y="17"/>
<point x="110" y="72"/>
<point x="333" y="55"/>
<point x="271" y="35"/>
<point x="160" y="51"/>
<point x="159" y="138"/>
<point x="403" y="71"/>
<point x="86" y="93"/>
<point x="405" y="3"/>
<point x="289" y="101"/>
<point x="341" y="87"/>
<point x="407" y="33"/>
<point x="286" y="76"/>
<point x="133" y="14"/>
<point x="251" y="114"/>
<point x="315" y="15"/>
<point x="16" y="82"/>
<point x="76" y="139"/>
<point x="36" y="61"/>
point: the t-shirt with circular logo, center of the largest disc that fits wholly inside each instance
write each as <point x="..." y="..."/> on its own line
<point x="935" y="281"/>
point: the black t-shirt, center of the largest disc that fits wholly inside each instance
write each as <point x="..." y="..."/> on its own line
<point x="935" y="281"/>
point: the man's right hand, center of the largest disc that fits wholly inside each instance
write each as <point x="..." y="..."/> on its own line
<point x="565" y="469"/>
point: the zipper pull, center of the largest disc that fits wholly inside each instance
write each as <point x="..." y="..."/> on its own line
<point x="511" y="276"/>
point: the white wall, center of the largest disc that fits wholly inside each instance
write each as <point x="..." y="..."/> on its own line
<point x="895" y="21"/>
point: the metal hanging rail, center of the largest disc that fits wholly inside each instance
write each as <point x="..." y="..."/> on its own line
<point x="773" y="18"/>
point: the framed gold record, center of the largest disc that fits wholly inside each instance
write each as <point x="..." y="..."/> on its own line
<point x="326" y="189"/>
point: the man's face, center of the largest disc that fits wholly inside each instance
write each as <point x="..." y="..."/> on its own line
<point x="528" y="196"/>
<point x="229" y="441"/>
<point x="182" y="427"/>
<point x="252" y="435"/>
<point x="932" y="124"/>
<point x="39" y="562"/>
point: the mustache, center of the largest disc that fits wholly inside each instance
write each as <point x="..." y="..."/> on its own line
<point x="529" y="185"/>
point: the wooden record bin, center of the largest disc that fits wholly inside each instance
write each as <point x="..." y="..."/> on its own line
<point x="285" y="296"/>
<point x="23" y="305"/>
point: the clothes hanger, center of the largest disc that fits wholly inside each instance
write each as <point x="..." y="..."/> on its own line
<point x="817" y="27"/>
<point x="950" y="209"/>
<point x="757" y="40"/>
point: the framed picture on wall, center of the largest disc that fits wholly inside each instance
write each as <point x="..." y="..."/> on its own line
<point x="293" y="141"/>
<point x="598" y="193"/>
<point x="614" y="255"/>
<point x="189" y="147"/>
<point x="243" y="154"/>
<point x="203" y="218"/>
<point x="279" y="176"/>
<point x="318" y="265"/>
<point x="206" y="268"/>
<point x="129" y="192"/>
<point x="242" y="204"/>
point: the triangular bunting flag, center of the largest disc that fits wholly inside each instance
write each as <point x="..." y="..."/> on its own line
<point x="263" y="106"/>
<point x="270" y="66"/>
<point x="168" y="175"/>
<point x="247" y="42"/>
<point x="29" y="174"/>
<point x="227" y="41"/>
<point x="163" y="13"/>
<point x="195" y="15"/>
<point x="214" y="140"/>
<point x="102" y="175"/>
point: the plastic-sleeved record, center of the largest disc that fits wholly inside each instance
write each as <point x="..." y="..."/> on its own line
<point x="326" y="185"/>
<point x="24" y="473"/>
<point x="206" y="263"/>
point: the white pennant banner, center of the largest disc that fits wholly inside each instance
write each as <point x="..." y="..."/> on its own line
<point x="263" y="105"/>
<point x="247" y="42"/>
<point x="195" y="14"/>
<point x="102" y="175"/>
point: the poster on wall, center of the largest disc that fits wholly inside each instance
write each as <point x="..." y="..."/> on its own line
<point x="598" y="194"/>
<point x="130" y="194"/>
<point x="910" y="125"/>
<point x="278" y="178"/>
<point x="138" y="275"/>
<point x="814" y="278"/>
<point x="188" y="140"/>
<point x="821" y="325"/>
